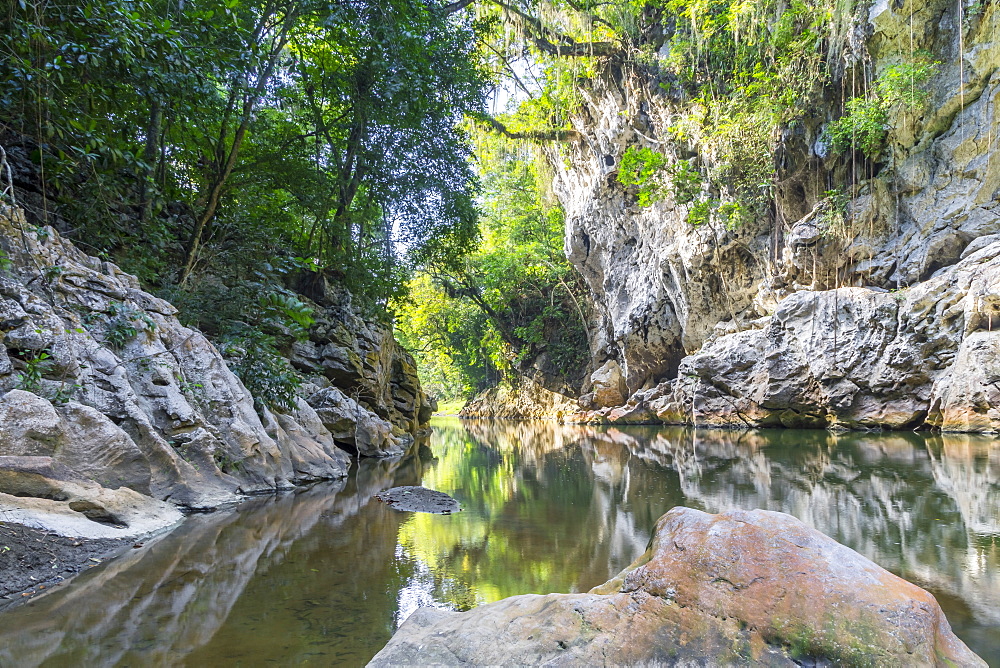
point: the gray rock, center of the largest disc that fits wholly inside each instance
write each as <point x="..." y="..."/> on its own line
<point x="354" y="426"/>
<point x="660" y="286"/>
<point x="360" y="356"/>
<point x="42" y="493"/>
<point x="608" y="386"/>
<point x="858" y="358"/>
<point x="527" y="399"/>
<point x="157" y="411"/>
<point x="413" y="498"/>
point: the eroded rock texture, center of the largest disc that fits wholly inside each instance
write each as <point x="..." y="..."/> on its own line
<point x="788" y="318"/>
<point x="376" y="376"/>
<point x="102" y="378"/>
<point x="526" y="400"/>
<point x="741" y="587"/>
<point x="857" y="358"/>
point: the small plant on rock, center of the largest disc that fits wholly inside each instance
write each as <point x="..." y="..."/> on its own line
<point x="864" y="126"/>
<point x="125" y="324"/>
<point x="641" y="167"/>
<point x="30" y="379"/>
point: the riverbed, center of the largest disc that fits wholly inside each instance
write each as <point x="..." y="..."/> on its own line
<point x="324" y="575"/>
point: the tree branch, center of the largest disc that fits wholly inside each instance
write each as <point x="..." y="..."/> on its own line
<point x="553" y="43"/>
<point x="533" y="135"/>
<point x="455" y="6"/>
<point x="545" y="39"/>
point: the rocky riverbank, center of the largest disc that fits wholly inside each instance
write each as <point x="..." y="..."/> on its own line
<point x="33" y="561"/>
<point x="114" y="416"/>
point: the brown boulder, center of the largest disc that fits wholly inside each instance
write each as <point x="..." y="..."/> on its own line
<point x="736" y="588"/>
<point x="609" y="388"/>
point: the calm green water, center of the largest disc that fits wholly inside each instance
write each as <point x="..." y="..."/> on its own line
<point x="324" y="576"/>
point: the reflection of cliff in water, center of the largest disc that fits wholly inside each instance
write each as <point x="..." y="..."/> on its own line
<point x="914" y="503"/>
<point x="324" y="575"/>
<point x="540" y="513"/>
<point x="168" y="600"/>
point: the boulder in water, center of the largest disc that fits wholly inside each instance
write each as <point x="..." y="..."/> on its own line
<point x="419" y="500"/>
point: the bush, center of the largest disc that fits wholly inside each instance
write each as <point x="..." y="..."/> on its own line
<point x="641" y="167"/>
<point x="865" y="123"/>
<point x="255" y="358"/>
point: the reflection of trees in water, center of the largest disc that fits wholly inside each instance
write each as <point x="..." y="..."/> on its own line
<point x="173" y="596"/>
<point x="924" y="506"/>
<point x="541" y="514"/>
<point x="327" y="573"/>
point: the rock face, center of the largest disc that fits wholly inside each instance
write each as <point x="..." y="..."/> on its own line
<point x="857" y="358"/>
<point x="359" y="355"/>
<point x="527" y="400"/>
<point x="608" y="387"/>
<point x="101" y="377"/>
<point x="741" y="587"/>
<point x="788" y="318"/>
<point x="354" y="426"/>
<point x="41" y="493"/>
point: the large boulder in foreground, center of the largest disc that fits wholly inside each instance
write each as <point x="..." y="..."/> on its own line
<point x="741" y="587"/>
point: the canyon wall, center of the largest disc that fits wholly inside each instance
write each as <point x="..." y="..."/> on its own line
<point x="881" y="318"/>
<point x="102" y="384"/>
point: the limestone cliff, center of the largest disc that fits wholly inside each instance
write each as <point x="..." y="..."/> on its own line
<point x="868" y="318"/>
<point x="526" y="400"/>
<point x="100" y="376"/>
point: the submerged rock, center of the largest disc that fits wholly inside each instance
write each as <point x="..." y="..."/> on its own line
<point x="736" y="588"/>
<point x="419" y="499"/>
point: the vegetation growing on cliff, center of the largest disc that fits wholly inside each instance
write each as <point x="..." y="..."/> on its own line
<point x="247" y="144"/>
<point x="222" y="149"/>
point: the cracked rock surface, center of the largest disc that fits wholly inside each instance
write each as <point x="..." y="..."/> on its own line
<point x="100" y="378"/>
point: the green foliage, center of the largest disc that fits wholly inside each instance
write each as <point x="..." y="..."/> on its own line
<point x="286" y="310"/>
<point x="863" y="126"/>
<point x="903" y="83"/>
<point x="640" y="167"/>
<point x="5" y="263"/>
<point x="231" y="132"/>
<point x="865" y="123"/>
<point x="700" y="212"/>
<point x="124" y="324"/>
<point x="255" y="322"/>
<point x="685" y="182"/>
<point x="35" y="364"/>
<point x="514" y="302"/>
<point x="256" y="358"/>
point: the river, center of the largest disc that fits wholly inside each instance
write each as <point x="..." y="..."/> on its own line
<point x="324" y="575"/>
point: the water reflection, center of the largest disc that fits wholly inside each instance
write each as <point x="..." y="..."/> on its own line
<point x="325" y="575"/>
<point x="287" y="579"/>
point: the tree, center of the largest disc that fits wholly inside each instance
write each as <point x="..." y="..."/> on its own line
<point x="515" y="306"/>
